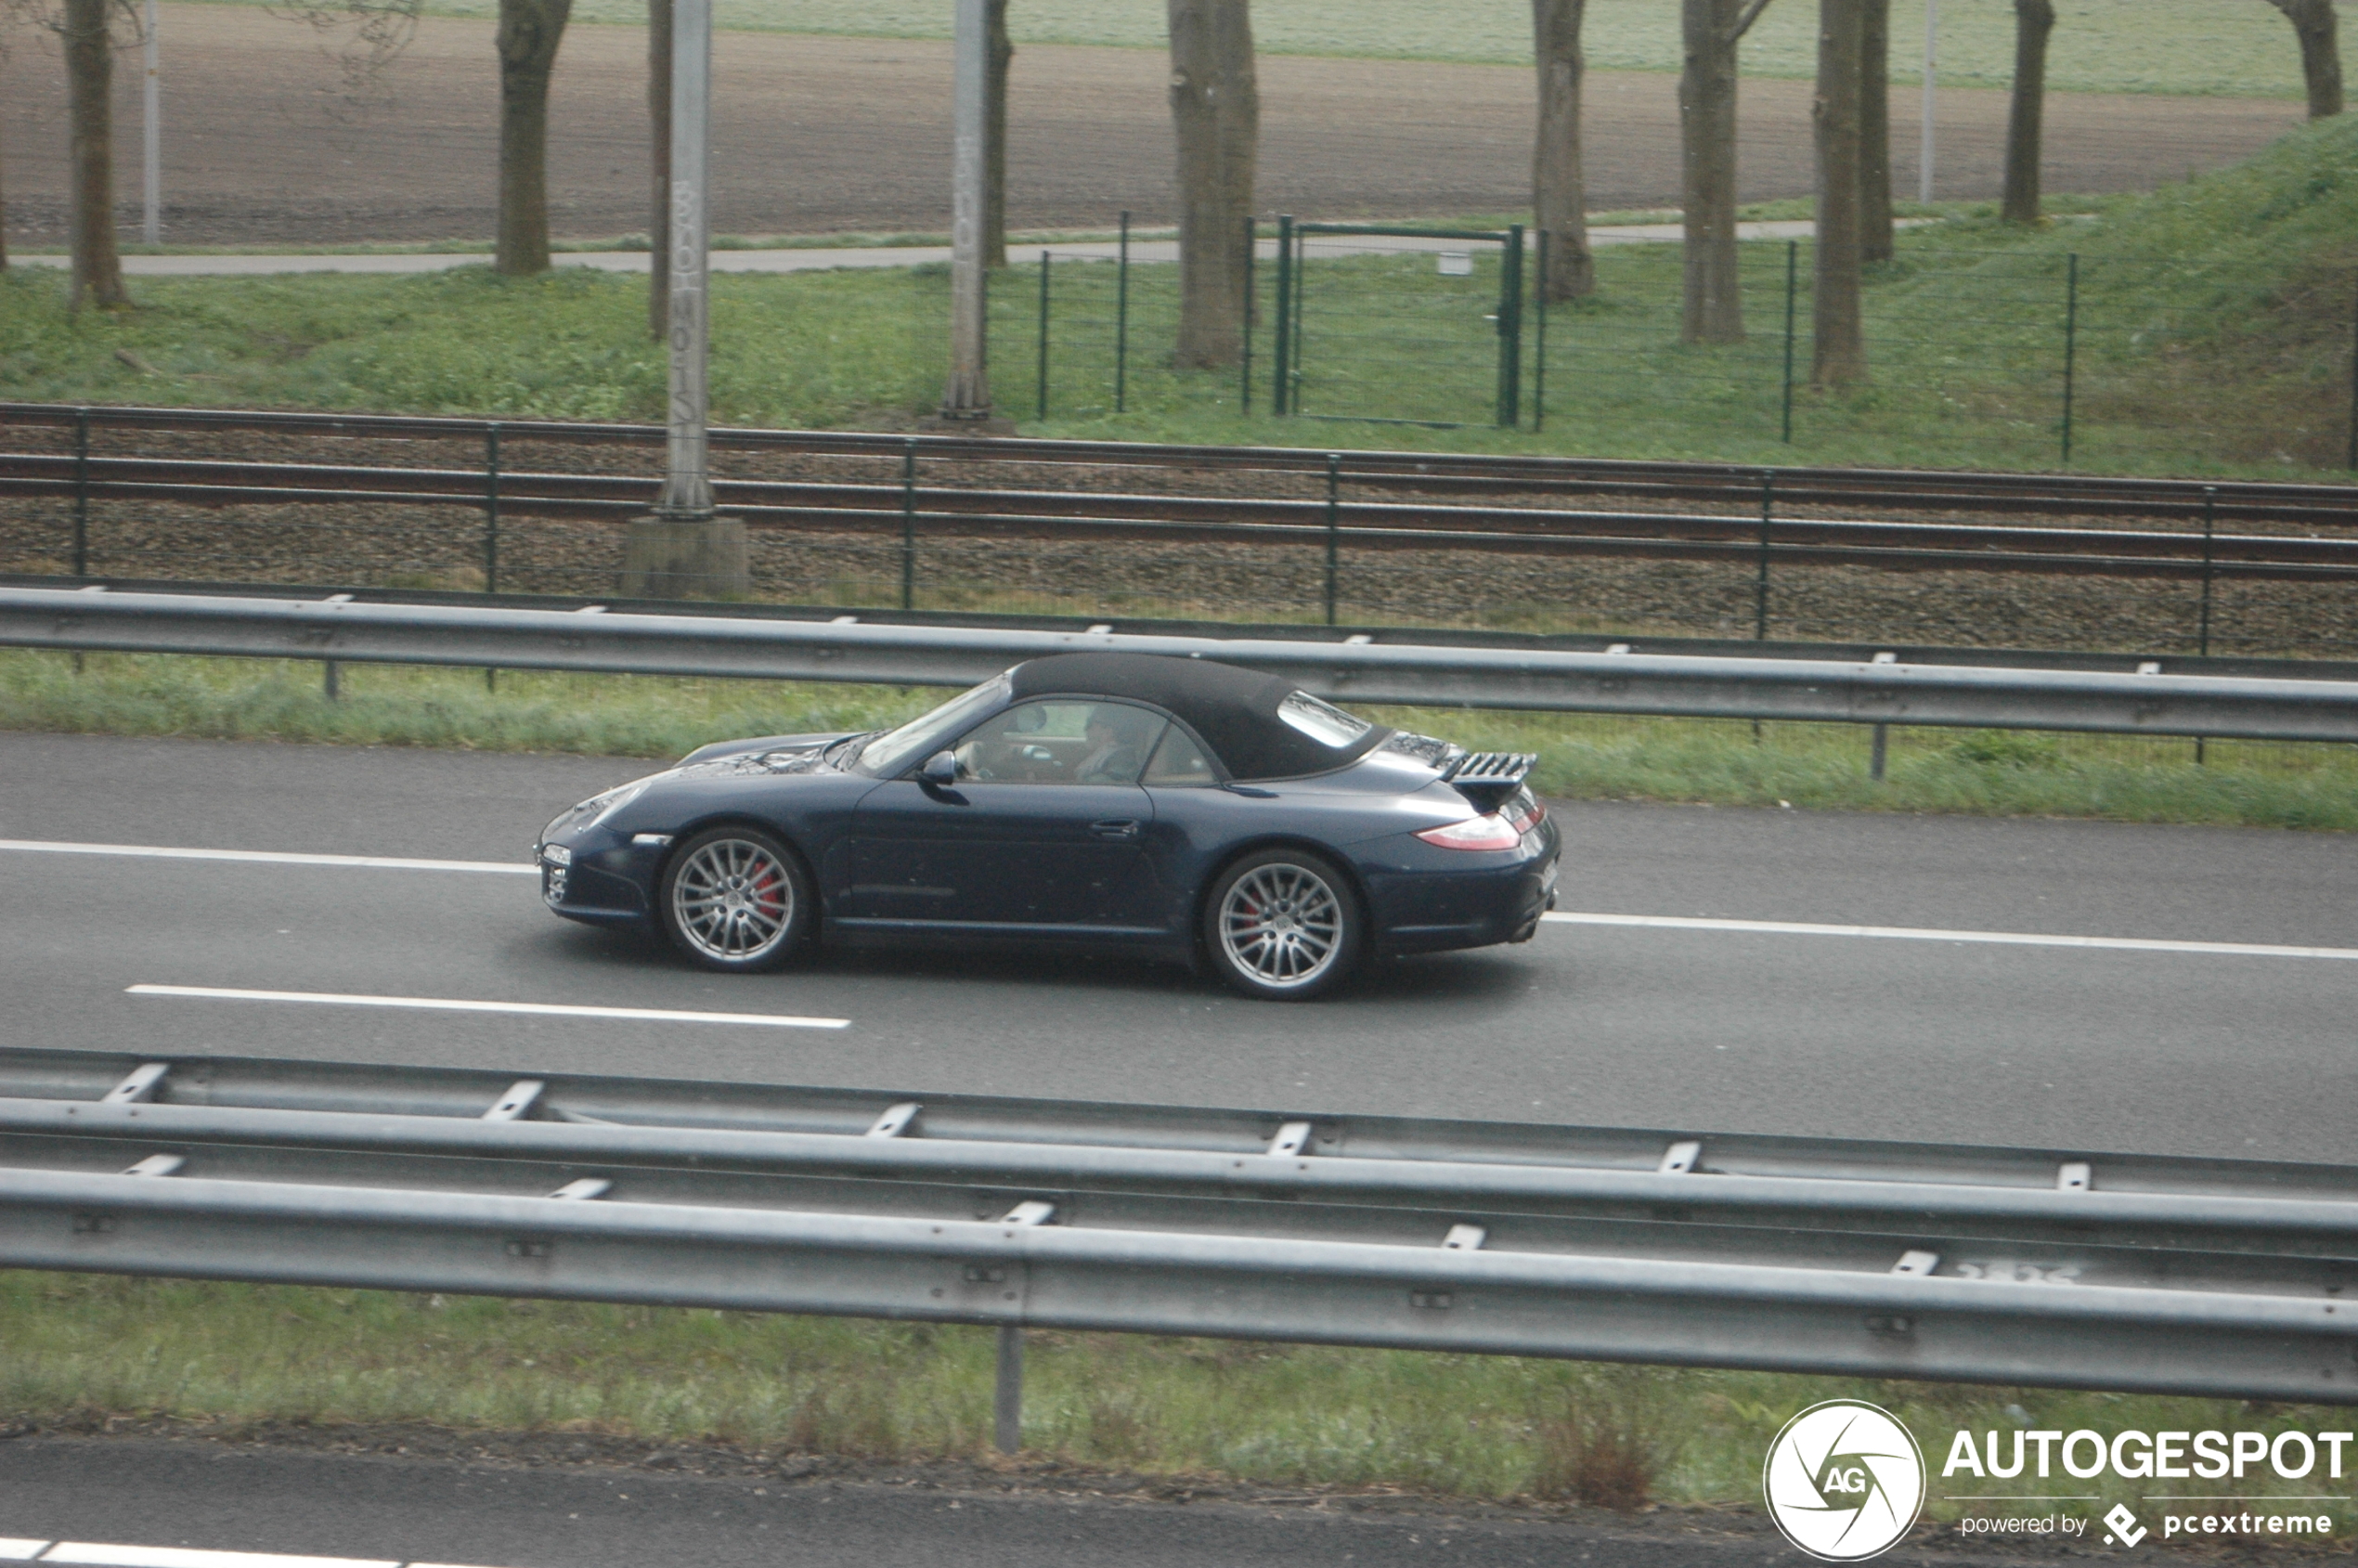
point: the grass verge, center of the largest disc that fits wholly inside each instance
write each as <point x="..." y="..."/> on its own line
<point x="85" y="1348"/>
<point x="1821" y="766"/>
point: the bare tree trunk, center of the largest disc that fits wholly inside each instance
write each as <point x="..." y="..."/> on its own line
<point x="1559" y="201"/>
<point x="1000" y="53"/>
<point x="529" y="34"/>
<point x="2033" y="20"/>
<point x="2312" y="22"/>
<point x="1840" y="350"/>
<point x="1712" y="308"/>
<point x="1874" y="133"/>
<point x="1215" y="107"/>
<point x="98" y="267"/>
<point x="660" y="207"/>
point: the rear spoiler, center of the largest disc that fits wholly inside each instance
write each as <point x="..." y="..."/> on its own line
<point x="1488" y="778"/>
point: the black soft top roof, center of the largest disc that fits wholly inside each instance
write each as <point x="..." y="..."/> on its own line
<point x="1235" y="710"/>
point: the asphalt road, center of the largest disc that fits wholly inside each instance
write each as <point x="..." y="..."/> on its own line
<point x="1690" y="1029"/>
<point x="385" y="1509"/>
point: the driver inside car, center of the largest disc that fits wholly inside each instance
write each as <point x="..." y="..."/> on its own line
<point x="1113" y="756"/>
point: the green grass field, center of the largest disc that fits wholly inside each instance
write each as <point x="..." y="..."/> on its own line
<point x="85" y="1348"/>
<point x="2226" y="47"/>
<point x="2209" y="329"/>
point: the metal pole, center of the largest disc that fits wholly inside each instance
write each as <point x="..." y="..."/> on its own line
<point x="82" y="492"/>
<point x="491" y="508"/>
<point x="1334" y="539"/>
<point x="1278" y="402"/>
<point x="1932" y="34"/>
<point x="1244" y="357"/>
<point x="1007" y="1400"/>
<point x="1875" y="754"/>
<point x="1760" y="584"/>
<point x="909" y="523"/>
<point x="2351" y="461"/>
<point x="331" y="684"/>
<point x="969" y="394"/>
<point x="1510" y="330"/>
<point x="2071" y="345"/>
<point x="1792" y="281"/>
<point x="2209" y="506"/>
<point x="687" y="485"/>
<point x="1042" y="412"/>
<point x="1121" y="323"/>
<point x="1539" y="346"/>
<point x="151" y="137"/>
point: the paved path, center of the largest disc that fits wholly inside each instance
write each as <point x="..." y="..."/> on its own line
<point x="823" y="259"/>
<point x="1694" y="1027"/>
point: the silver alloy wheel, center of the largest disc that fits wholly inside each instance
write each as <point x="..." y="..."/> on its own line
<point x="732" y="899"/>
<point x="1282" y="925"/>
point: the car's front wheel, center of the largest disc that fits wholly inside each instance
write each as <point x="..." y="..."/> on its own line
<point x="735" y="898"/>
<point x="1283" y="925"/>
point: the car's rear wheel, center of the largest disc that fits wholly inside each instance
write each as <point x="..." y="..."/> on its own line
<point x="734" y="898"/>
<point x="1283" y="925"/>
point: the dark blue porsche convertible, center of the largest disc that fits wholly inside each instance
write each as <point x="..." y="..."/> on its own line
<point x="1110" y="800"/>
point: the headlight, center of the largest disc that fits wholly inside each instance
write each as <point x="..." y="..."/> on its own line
<point x="595" y="810"/>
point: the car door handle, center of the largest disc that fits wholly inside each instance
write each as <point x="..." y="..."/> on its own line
<point x="1116" y="827"/>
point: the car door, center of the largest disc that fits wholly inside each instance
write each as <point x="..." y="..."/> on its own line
<point x="1040" y="835"/>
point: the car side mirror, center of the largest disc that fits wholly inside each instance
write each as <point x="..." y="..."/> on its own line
<point x="940" y="768"/>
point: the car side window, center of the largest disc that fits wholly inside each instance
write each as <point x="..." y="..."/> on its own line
<point x="1179" y="763"/>
<point x="1061" y="742"/>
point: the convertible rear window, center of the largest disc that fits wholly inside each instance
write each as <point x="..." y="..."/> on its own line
<point x="1322" y="721"/>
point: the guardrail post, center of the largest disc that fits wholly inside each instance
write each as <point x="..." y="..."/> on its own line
<point x="2071" y="344"/>
<point x="331" y="684"/>
<point x="1334" y="541"/>
<point x="1792" y="294"/>
<point x="1875" y="753"/>
<point x="82" y="492"/>
<point x="1006" y="1399"/>
<point x="491" y="528"/>
<point x="2202" y="641"/>
<point x="1282" y="359"/>
<point x="1043" y="335"/>
<point x="909" y="523"/>
<point x="1122" y="320"/>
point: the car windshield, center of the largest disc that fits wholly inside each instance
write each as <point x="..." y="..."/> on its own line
<point x="893" y="751"/>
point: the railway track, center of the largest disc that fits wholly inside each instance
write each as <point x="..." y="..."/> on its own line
<point x="2285" y="532"/>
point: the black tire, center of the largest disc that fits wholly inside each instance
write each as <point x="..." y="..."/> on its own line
<point x="1283" y="926"/>
<point x="735" y="899"/>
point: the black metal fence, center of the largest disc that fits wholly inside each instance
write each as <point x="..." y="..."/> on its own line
<point x="1999" y="357"/>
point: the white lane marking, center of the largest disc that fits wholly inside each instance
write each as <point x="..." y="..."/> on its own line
<point x="452" y="1004"/>
<point x="14" y="1550"/>
<point x="267" y="857"/>
<point x="185" y="1556"/>
<point x="1920" y="934"/>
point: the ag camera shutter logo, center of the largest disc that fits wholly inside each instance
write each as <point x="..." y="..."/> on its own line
<point x="1844" y="1480"/>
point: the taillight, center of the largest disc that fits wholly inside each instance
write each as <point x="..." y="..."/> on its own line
<point x="1493" y="832"/>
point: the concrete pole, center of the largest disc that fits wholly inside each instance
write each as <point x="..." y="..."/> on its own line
<point x="1932" y="34"/>
<point x="683" y="552"/>
<point x="687" y="485"/>
<point x="152" y="163"/>
<point x="966" y="399"/>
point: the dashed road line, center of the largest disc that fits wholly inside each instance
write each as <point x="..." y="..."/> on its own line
<point x="1929" y="934"/>
<point x="98" y="1554"/>
<point x="265" y="857"/>
<point x="457" y="1004"/>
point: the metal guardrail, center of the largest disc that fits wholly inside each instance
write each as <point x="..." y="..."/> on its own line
<point x="1809" y="689"/>
<point x="2011" y="1265"/>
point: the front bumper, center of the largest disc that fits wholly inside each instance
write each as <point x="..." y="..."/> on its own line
<point x="601" y="877"/>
